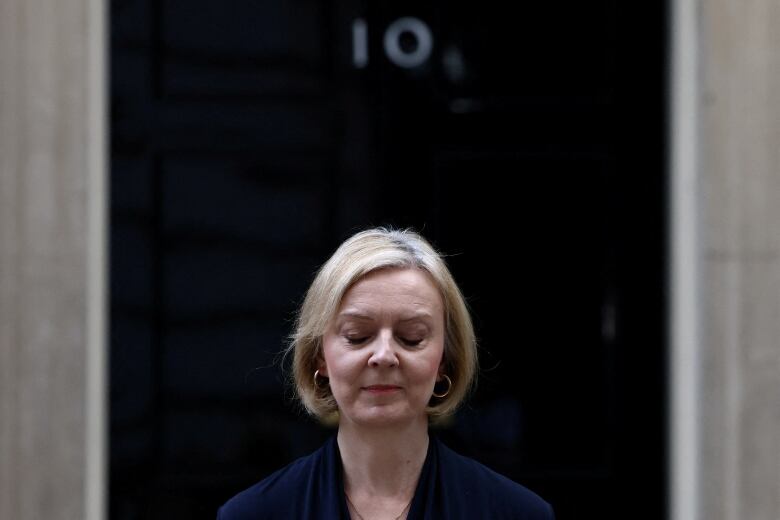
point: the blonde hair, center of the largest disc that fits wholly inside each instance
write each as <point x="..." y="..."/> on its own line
<point x="364" y="252"/>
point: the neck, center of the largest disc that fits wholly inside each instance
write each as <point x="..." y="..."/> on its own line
<point x="382" y="462"/>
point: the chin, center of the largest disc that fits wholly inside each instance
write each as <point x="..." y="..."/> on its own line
<point x="382" y="416"/>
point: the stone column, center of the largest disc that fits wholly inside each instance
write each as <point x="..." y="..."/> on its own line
<point x="52" y="259"/>
<point x="729" y="393"/>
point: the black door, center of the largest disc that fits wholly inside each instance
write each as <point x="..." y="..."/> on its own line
<point x="250" y="137"/>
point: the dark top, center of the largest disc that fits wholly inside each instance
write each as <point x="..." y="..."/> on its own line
<point x="450" y="487"/>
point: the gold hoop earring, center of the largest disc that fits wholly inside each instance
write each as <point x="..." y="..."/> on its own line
<point x="318" y="387"/>
<point x="449" y="387"/>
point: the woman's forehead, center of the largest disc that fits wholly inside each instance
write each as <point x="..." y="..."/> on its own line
<point x="412" y="287"/>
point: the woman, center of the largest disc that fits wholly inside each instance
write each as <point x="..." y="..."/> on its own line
<point x="384" y="343"/>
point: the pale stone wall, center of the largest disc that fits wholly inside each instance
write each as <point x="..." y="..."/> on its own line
<point x="739" y="51"/>
<point x="52" y="258"/>
<point x="726" y="434"/>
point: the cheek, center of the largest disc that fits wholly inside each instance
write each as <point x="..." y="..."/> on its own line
<point x="341" y="366"/>
<point x="429" y="367"/>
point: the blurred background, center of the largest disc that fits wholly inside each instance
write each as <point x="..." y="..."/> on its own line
<point x="601" y="177"/>
<point x="248" y="139"/>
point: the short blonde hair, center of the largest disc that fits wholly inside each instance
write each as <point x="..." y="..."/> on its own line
<point x="364" y="252"/>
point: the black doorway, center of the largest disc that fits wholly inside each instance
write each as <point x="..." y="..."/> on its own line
<point x="249" y="138"/>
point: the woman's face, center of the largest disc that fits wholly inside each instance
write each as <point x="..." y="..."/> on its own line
<point x="384" y="348"/>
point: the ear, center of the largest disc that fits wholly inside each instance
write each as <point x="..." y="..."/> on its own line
<point x="322" y="367"/>
<point x="438" y="374"/>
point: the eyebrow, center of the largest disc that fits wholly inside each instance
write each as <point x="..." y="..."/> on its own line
<point x="419" y="315"/>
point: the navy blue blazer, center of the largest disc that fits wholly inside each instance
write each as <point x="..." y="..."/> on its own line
<point x="450" y="487"/>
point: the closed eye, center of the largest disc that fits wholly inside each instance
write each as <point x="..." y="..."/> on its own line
<point x="409" y="342"/>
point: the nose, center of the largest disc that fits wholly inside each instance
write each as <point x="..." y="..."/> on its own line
<point x="383" y="353"/>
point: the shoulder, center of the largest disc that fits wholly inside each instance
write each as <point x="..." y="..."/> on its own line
<point x="504" y="497"/>
<point x="272" y="496"/>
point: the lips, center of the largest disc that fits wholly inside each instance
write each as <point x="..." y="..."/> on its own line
<point x="381" y="388"/>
